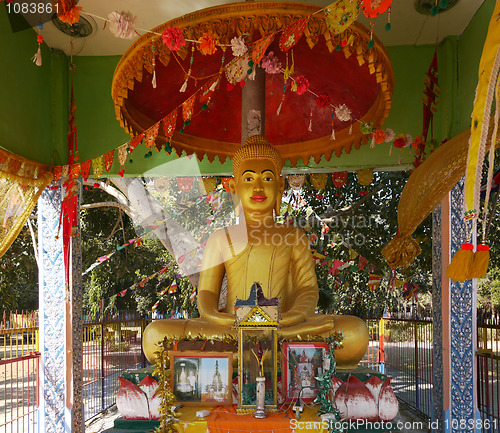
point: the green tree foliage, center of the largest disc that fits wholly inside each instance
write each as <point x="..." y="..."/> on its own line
<point x="361" y="221"/>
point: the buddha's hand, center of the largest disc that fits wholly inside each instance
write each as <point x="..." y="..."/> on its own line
<point x="222" y="319"/>
<point x="291" y="318"/>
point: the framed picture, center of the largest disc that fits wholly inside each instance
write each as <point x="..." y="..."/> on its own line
<point x="201" y="378"/>
<point x="302" y="363"/>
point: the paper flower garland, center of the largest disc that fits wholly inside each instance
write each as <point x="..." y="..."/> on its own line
<point x="322" y="100"/>
<point x="271" y="64"/>
<point x="122" y="25"/>
<point x="173" y="38"/>
<point x="70" y="16"/>
<point x="301" y="85"/>
<point x="208" y="43"/>
<point x="238" y="46"/>
<point x="343" y="113"/>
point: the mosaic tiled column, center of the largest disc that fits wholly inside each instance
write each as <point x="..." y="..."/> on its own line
<point x="60" y="407"/>
<point x="459" y="346"/>
<point x="437" y="321"/>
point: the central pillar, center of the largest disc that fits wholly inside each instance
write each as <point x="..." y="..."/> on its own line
<point x="253" y="106"/>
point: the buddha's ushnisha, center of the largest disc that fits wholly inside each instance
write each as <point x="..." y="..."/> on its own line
<point x="261" y="250"/>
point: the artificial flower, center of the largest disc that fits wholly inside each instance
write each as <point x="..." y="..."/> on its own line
<point x="238" y="46"/>
<point x="322" y="100"/>
<point x="343" y="113"/>
<point x="302" y="85"/>
<point x="400" y="141"/>
<point x="366" y="127"/>
<point x="417" y="142"/>
<point x="379" y="136"/>
<point x="122" y="24"/>
<point x="173" y="38"/>
<point x="271" y="64"/>
<point x="70" y="16"/>
<point x="208" y="43"/>
<point x="409" y="140"/>
<point x="389" y="135"/>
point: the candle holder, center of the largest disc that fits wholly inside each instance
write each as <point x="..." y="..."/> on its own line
<point x="257" y="324"/>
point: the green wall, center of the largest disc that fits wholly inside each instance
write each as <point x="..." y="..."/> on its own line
<point x="33" y="100"/>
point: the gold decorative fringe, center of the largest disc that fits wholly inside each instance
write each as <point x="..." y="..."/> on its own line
<point x="460" y="267"/>
<point x="481" y="261"/>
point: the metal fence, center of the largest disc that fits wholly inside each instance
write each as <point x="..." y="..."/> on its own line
<point x="402" y="348"/>
<point x="109" y="348"/>
<point x="19" y="379"/>
<point x="488" y="373"/>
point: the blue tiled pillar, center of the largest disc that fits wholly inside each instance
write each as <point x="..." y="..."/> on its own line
<point x="60" y="323"/>
<point x="459" y="363"/>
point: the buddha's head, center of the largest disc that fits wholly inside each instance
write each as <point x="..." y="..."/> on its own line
<point x="257" y="179"/>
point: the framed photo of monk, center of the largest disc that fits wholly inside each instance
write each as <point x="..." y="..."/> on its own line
<point x="201" y="378"/>
<point x="302" y="363"/>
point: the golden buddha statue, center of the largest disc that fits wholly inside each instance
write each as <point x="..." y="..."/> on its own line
<point x="260" y="250"/>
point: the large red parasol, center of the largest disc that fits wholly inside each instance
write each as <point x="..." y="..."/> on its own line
<point x="341" y="66"/>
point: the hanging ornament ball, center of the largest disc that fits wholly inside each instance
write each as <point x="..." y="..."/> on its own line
<point x="337" y="48"/>
<point x="168" y="147"/>
<point x="181" y="130"/>
<point x="204" y="107"/>
<point x="388" y="26"/>
<point x="187" y="122"/>
<point x="371" y="44"/>
<point x="434" y="10"/>
<point x="443" y="4"/>
<point x="130" y="160"/>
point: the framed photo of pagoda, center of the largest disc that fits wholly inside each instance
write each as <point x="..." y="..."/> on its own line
<point x="302" y="363"/>
<point x="201" y="378"/>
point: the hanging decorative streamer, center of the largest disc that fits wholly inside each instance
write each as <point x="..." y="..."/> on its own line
<point x="37" y="57"/>
<point x="153" y="63"/>
<point x="259" y="48"/>
<point x="465" y="265"/>
<point x="184" y="85"/>
<point x="430" y="98"/>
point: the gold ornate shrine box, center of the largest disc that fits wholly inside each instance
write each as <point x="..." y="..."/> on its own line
<point x="257" y="324"/>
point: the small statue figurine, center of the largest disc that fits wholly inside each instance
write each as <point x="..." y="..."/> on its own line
<point x="259" y="249"/>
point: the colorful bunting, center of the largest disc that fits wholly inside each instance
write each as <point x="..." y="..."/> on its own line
<point x="169" y="123"/>
<point x="341" y="14"/>
<point x="173" y="287"/>
<point x="108" y="159"/>
<point x="292" y="34"/>
<point x="122" y="154"/>
<point x="85" y="165"/>
<point x="150" y="135"/>
<point x="259" y="48"/>
<point x="319" y="180"/>
<point x="187" y="108"/>
<point x="97" y="165"/>
<point x="339" y="178"/>
<point x="374" y="281"/>
<point x="365" y="176"/>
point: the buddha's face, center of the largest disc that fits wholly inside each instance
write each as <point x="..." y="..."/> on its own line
<point x="258" y="186"/>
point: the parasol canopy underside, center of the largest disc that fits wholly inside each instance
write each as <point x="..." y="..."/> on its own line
<point x="340" y="66"/>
